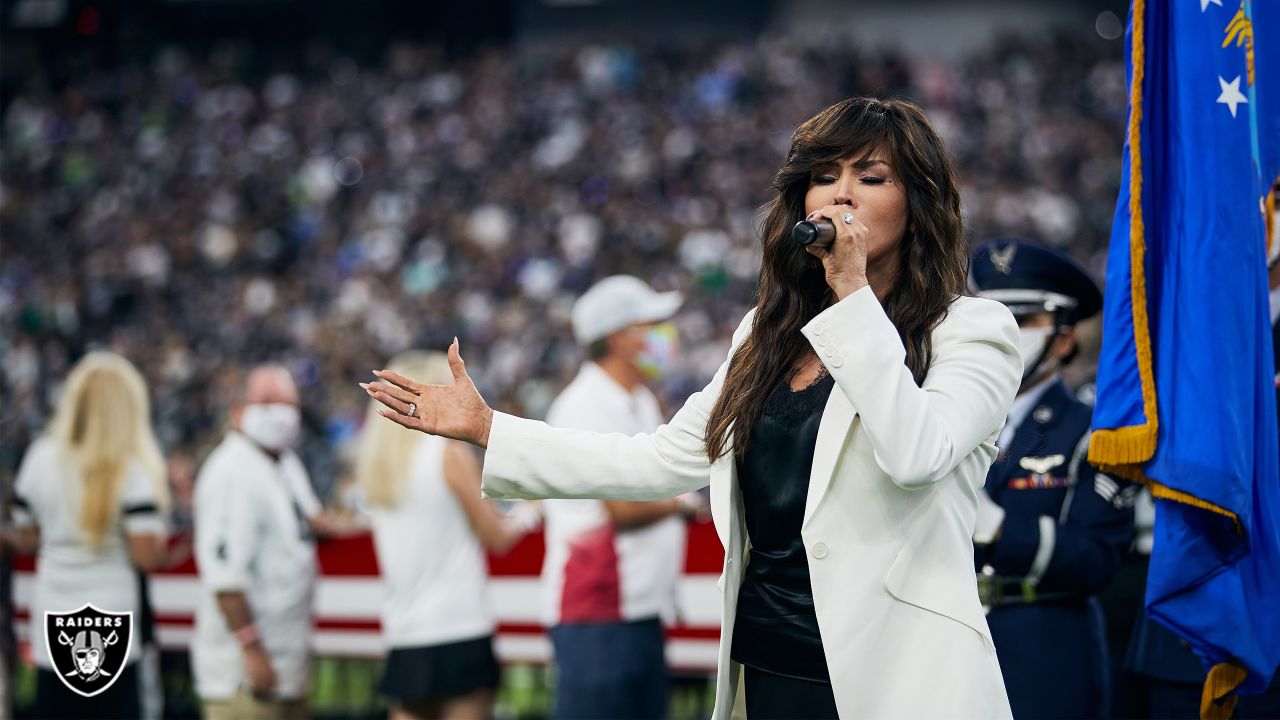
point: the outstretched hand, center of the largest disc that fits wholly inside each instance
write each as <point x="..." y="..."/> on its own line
<point x="454" y="411"/>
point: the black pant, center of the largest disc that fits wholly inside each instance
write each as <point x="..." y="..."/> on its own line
<point x="56" y="700"/>
<point x="774" y="696"/>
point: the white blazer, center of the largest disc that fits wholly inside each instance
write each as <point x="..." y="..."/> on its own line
<point x="890" y="513"/>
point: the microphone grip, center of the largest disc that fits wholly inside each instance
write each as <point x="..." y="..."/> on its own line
<point x="820" y="233"/>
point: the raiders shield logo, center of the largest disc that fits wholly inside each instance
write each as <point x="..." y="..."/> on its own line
<point x="88" y="647"/>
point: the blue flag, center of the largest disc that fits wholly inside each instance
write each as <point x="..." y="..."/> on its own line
<point x="1186" y="382"/>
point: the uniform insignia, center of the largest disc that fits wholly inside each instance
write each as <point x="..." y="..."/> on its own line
<point x="1002" y="259"/>
<point x="1041" y="477"/>
<point x="1038" y="481"/>
<point x="1043" y="414"/>
<point x="1105" y="486"/>
<point x="1042" y="465"/>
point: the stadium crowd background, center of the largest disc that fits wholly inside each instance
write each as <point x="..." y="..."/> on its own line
<point x="199" y="213"/>
<point x="201" y="203"/>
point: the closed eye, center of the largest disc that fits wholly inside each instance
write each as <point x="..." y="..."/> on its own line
<point x="824" y="179"/>
<point x="872" y="179"/>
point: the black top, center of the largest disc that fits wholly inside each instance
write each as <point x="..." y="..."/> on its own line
<point x="776" y="628"/>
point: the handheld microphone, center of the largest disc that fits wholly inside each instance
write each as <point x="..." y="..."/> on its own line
<point x="819" y="233"/>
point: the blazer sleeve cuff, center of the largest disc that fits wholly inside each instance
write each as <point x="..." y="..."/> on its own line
<point x="857" y="316"/>
<point x="503" y="463"/>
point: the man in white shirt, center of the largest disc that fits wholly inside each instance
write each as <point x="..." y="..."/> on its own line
<point x="611" y="568"/>
<point x="254" y="512"/>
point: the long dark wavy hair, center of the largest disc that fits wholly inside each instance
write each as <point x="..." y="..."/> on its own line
<point x="932" y="254"/>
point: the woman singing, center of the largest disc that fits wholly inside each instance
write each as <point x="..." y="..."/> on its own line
<point x="844" y="439"/>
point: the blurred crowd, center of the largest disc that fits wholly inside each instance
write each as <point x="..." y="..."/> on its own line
<point x="202" y="214"/>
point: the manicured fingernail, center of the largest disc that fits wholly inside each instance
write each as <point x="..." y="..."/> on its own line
<point x="455" y="339"/>
<point x="364" y="385"/>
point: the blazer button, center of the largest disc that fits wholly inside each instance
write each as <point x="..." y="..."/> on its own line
<point x="819" y="550"/>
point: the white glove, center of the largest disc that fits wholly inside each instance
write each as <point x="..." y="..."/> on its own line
<point x="990" y="519"/>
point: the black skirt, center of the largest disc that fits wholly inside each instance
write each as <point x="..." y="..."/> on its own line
<point x="440" y="672"/>
<point x="771" y="696"/>
<point x="121" y="700"/>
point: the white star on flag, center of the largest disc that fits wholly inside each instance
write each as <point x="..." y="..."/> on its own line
<point x="1205" y="4"/>
<point x="1231" y="96"/>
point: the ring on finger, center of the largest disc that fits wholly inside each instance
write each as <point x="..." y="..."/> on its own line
<point x="413" y="410"/>
<point x="847" y="218"/>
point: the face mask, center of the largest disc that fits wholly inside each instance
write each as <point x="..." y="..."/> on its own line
<point x="273" y="426"/>
<point x="1032" y="344"/>
<point x="658" y="357"/>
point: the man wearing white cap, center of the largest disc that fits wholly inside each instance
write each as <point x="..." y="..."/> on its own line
<point x="611" y="568"/>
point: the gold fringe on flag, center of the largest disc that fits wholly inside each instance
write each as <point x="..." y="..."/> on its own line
<point x="1269" y="214"/>
<point x="1217" y="702"/>
<point x="1134" y="444"/>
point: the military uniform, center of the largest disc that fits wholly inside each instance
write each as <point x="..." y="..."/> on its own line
<point x="1065" y="526"/>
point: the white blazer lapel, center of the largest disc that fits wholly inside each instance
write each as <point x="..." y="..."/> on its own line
<point x="833" y="432"/>
<point x="724" y="481"/>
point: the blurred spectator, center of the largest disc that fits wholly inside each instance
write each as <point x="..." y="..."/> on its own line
<point x="182" y="487"/>
<point x="255" y="516"/>
<point x="431" y="528"/>
<point x="90" y="499"/>
<point x="609" y="578"/>
<point x="201" y="216"/>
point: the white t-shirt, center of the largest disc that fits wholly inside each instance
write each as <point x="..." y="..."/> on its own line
<point x="253" y="535"/>
<point x="431" y="561"/>
<point x="594" y="572"/>
<point x="69" y="573"/>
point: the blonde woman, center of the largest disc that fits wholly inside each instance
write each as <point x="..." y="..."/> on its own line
<point x="90" y="499"/>
<point x="431" y="528"/>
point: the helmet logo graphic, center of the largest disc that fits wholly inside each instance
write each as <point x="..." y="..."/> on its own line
<point x="88" y="647"/>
